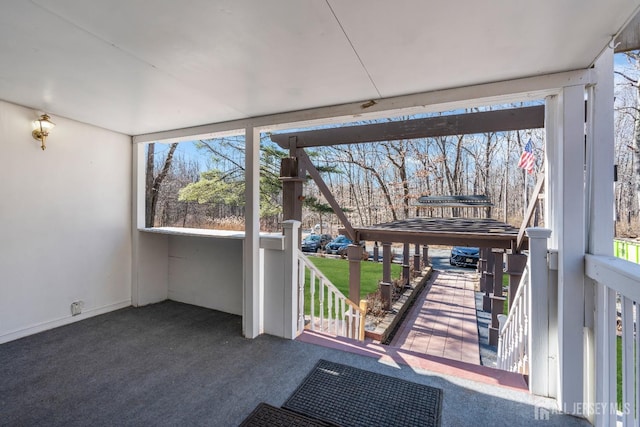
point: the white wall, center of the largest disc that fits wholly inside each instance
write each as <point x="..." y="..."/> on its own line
<point x="206" y="272"/>
<point x="199" y="267"/>
<point x="205" y="268"/>
<point x="65" y="222"/>
<point x="273" y="284"/>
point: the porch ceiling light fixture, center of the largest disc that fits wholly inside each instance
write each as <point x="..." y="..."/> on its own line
<point x="41" y="128"/>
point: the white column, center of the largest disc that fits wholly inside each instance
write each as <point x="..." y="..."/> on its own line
<point x="568" y="212"/>
<point x="252" y="306"/>
<point x="601" y="372"/>
<point x="551" y="165"/>
<point x="290" y="308"/>
<point x="137" y="215"/>
<point x="552" y="203"/>
<point x="538" y="311"/>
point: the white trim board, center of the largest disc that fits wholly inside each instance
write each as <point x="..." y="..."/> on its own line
<point x="530" y="88"/>
<point x="45" y="326"/>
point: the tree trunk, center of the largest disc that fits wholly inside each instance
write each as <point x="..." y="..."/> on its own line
<point x="148" y="197"/>
<point x="636" y="141"/>
<point x="153" y="184"/>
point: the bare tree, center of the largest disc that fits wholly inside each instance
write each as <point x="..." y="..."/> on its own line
<point x="635" y="147"/>
<point x="153" y="181"/>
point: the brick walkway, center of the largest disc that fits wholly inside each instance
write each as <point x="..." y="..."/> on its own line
<point x="442" y="322"/>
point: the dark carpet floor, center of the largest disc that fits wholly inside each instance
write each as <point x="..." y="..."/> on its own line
<point x="173" y="364"/>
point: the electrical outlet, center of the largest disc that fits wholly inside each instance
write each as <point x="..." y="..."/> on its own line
<point x="76" y="307"/>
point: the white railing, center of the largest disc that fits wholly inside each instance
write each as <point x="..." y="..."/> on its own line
<point x="617" y="290"/>
<point x="334" y="313"/>
<point x="513" y="354"/>
<point x="525" y="336"/>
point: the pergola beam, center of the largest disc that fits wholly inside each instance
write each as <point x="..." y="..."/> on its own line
<point x="426" y="238"/>
<point x="456" y="124"/>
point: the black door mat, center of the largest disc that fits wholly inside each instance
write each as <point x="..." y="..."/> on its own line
<point x="349" y="396"/>
<point x="266" y="415"/>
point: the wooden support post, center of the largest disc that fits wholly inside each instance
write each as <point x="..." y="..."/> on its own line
<point x="386" y="262"/>
<point x="497" y="300"/>
<point x="515" y="267"/>
<point x="406" y="279"/>
<point x="291" y="189"/>
<point x="488" y="280"/>
<point x="416" y="261"/>
<point x="425" y="256"/>
<point x="363" y="318"/>
<point x="354" y="254"/>
<point x="385" y="295"/>
<point x="498" y="269"/>
<point x="385" y="285"/>
<point x="482" y="266"/>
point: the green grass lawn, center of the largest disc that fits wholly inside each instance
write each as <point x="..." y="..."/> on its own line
<point x="337" y="271"/>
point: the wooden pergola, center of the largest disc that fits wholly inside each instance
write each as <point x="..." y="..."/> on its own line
<point x="477" y="232"/>
<point x="493" y="237"/>
<point x="457" y="203"/>
<point x="295" y="168"/>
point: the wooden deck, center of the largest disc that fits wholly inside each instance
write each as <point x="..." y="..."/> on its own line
<point x="443" y="322"/>
<point x="439" y="334"/>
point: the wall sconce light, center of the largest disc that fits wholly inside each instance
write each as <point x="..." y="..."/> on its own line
<point x="41" y="128"/>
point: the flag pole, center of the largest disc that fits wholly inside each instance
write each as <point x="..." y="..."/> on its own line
<point x="526" y="202"/>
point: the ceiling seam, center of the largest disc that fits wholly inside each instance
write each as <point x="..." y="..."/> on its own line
<point x="94" y="35"/>
<point x="126" y="52"/>
<point x="364" y="67"/>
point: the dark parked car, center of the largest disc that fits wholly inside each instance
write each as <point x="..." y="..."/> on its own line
<point x="315" y="242"/>
<point x="462" y="256"/>
<point x="340" y="242"/>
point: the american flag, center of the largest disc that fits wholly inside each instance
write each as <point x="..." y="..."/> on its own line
<point x="527" y="159"/>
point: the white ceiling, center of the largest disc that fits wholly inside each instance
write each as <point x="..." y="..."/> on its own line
<point x="141" y="66"/>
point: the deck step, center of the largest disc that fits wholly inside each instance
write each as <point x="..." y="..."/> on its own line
<point x="436" y="364"/>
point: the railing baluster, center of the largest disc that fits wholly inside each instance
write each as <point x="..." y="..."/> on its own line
<point x="343" y="323"/>
<point x="336" y="314"/>
<point x="301" y="276"/>
<point x="312" y="298"/>
<point x="347" y="323"/>
<point x="355" y="322"/>
<point x="321" y="303"/>
<point x="513" y="352"/>
<point x="627" y="362"/>
<point x="330" y="305"/>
